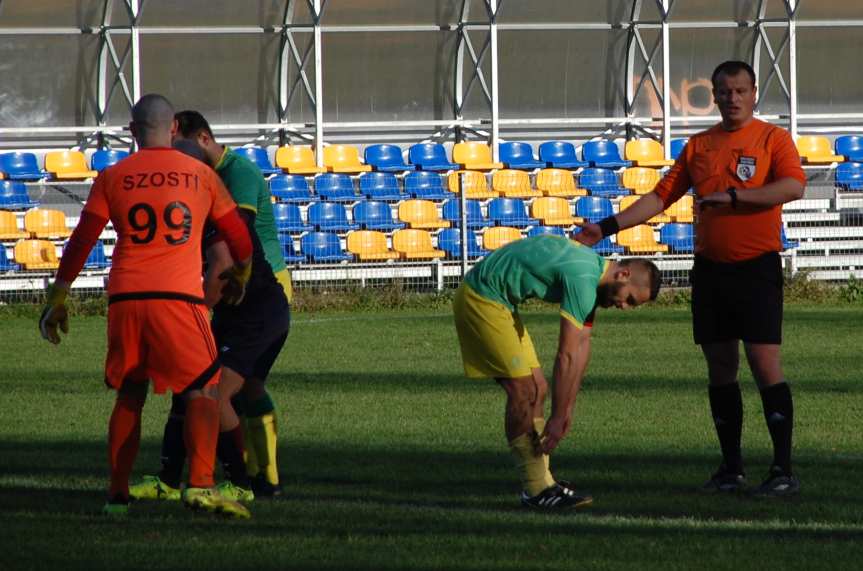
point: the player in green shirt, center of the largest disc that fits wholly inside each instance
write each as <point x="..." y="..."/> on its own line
<point x="495" y="343"/>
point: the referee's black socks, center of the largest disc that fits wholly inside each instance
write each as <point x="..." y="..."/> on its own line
<point x="779" y="414"/>
<point x="726" y="405"/>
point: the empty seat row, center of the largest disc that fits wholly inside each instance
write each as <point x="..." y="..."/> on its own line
<point x="61" y="165"/>
<point x="38" y="223"/>
<point x="42" y="255"/>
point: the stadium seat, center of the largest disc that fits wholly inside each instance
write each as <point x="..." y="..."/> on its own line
<point x="850" y="176"/>
<point x="104" y="158"/>
<point x="553" y="211"/>
<point x="449" y="241"/>
<point x="46" y="223"/>
<point x="473" y="155"/>
<point x="816" y="150"/>
<point x="13" y="196"/>
<point x="640" y="180"/>
<point x="560" y="155"/>
<point x="786" y="243"/>
<point x="7" y="265"/>
<point x="289" y="219"/>
<point x="21" y="166"/>
<point x="381" y="186"/>
<point x="510" y="212"/>
<point x="368" y="245"/>
<point x="677" y="146"/>
<point x="513" y="183"/>
<point x="628" y="201"/>
<point x="475" y="184"/>
<point x="68" y="165"/>
<point x="323" y="247"/>
<point x="375" y="215"/>
<point x="421" y="214"/>
<point x="679" y="237"/>
<point x="291" y="188"/>
<point x="36" y="255"/>
<point x="330" y="217"/>
<point x="9" y="227"/>
<point x="646" y="153"/>
<point x="259" y="157"/>
<point x="543" y="230"/>
<point x="499" y="236"/>
<point x="297" y="159"/>
<point x="343" y="159"/>
<point x="606" y="247"/>
<point x="290" y="253"/>
<point x="558" y="182"/>
<point x="430" y="157"/>
<point x="593" y="208"/>
<point x="601" y="182"/>
<point x="682" y="210"/>
<point x="96" y="260"/>
<point x="515" y="155"/>
<point x="335" y="188"/>
<point x="850" y="147"/>
<point x="414" y="244"/>
<point x="475" y="217"/>
<point x="386" y="158"/>
<point x="426" y="185"/>
<point x="640" y="240"/>
<point x="603" y="154"/>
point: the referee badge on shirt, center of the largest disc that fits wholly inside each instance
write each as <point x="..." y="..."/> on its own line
<point x="745" y="168"/>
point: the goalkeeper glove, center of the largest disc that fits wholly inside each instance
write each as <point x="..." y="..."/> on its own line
<point x="54" y="314"/>
<point x="236" y="278"/>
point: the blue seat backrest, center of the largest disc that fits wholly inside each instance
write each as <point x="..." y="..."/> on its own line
<point x="600" y="151"/>
<point x="105" y="158"/>
<point x="593" y="207"/>
<point x="677" y="147"/>
<point x="289" y="182"/>
<point x="514" y="151"/>
<point x="423" y="179"/>
<point x="383" y="155"/>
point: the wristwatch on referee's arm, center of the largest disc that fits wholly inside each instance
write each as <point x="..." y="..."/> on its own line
<point x="732" y="192"/>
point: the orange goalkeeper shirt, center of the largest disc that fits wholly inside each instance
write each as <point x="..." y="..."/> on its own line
<point x="716" y="160"/>
<point x="158" y="200"/>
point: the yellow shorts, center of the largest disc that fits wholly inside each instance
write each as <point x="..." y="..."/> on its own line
<point x="494" y="342"/>
<point x="284" y="277"/>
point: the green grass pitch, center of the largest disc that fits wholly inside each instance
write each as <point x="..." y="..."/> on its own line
<point x="391" y="460"/>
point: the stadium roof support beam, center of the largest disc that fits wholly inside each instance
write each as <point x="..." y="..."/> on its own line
<point x="289" y="51"/>
<point x="789" y="42"/>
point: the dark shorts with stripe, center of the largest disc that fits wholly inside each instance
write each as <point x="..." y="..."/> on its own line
<point x="250" y="339"/>
<point x="741" y="300"/>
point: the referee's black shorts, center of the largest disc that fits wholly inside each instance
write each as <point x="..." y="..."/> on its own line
<point x="250" y="341"/>
<point x="740" y="300"/>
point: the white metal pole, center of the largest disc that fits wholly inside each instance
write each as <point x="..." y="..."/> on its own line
<point x="319" y="90"/>
<point x="135" y="9"/>
<point x="666" y="83"/>
<point x="495" y="117"/>
<point x="792" y="65"/>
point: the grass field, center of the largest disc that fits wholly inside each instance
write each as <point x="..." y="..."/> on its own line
<point x="391" y="460"/>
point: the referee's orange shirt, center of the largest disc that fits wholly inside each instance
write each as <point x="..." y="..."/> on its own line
<point x="716" y="160"/>
<point x="158" y="200"/>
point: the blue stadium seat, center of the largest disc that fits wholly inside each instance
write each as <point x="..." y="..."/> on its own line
<point x="386" y="158"/>
<point x="849" y="146"/>
<point x="606" y="247"/>
<point x="291" y="188"/>
<point x="7" y="265"/>
<point x="850" y="176"/>
<point x="426" y="185"/>
<point x="430" y="157"/>
<point x="449" y="240"/>
<point x="560" y="155"/>
<point x="601" y="182"/>
<point x="603" y="154"/>
<point x="97" y="260"/>
<point x="542" y="230"/>
<point x="289" y="251"/>
<point x="259" y="157"/>
<point x="677" y="147"/>
<point x="786" y="243"/>
<point x="375" y="215"/>
<point x="330" y="216"/>
<point x="13" y="196"/>
<point x="335" y="187"/>
<point x="381" y="186"/>
<point x="104" y="158"/>
<point x="475" y="218"/>
<point x="21" y="166"/>
<point x="322" y="247"/>
<point x="289" y="219"/>
<point x="517" y="155"/>
<point x="680" y="238"/>
<point x="593" y="208"/>
<point x="510" y="212"/>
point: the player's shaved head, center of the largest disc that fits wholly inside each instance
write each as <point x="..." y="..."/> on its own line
<point x="152" y="120"/>
<point x="644" y="273"/>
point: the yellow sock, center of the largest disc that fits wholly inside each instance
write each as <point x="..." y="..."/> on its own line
<point x="249" y="456"/>
<point x="264" y="433"/>
<point x="531" y="466"/>
<point x="539" y="426"/>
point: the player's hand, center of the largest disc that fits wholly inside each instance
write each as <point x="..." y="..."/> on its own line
<point x="555" y="431"/>
<point x="236" y="278"/>
<point x="54" y="315"/>
<point x="590" y="234"/>
<point x="711" y="200"/>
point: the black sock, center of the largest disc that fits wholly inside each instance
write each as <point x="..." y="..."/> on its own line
<point x="229" y="450"/>
<point x="173" y="445"/>
<point x="726" y="405"/>
<point x="779" y="414"/>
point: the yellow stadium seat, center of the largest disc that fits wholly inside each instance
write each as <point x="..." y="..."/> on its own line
<point x="475" y="185"/>
<point x="473" y="155"/>
<point x="640" y="180"/>
<point x="646" y="153"/>
<point x="370" y="245"/>
<point x="36" y="255"/>
<point x="421" y="214"/>
<point x="499" y="236"/>
<point x="297" y="159"/>
<point x="558" y="182"/>
<point x="415" y="244"/>
<point x="46" y="223"/>
<point x="682" y="210"/>
<point x="343" y="159"/>
<point x="9" y="227"/>
<point x="640" y="240"/>
<point x="817" y="150"/>
<point x="513" y="184"/>
<point x="554" y="211"/>
<point x="68" y="165"/>
<point x="628" y="201"/>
